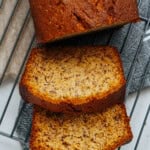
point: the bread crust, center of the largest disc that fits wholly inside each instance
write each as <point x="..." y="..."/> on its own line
<point x="91" y="106"/>
<point x="124" y="139"/>
<point x="63" y="19"/>
<point x="85" y="104"/>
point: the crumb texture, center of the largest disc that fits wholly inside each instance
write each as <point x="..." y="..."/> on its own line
<point x="99" y="131"/>
<point x="75" y="75"/>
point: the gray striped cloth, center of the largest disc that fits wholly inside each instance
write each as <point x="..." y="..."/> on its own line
<point x="132" y="40"/>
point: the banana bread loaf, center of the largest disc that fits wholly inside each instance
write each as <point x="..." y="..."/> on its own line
<point x="56" y="19"/>
<point x="97" y="131"/>
<point x="73" y="79"/>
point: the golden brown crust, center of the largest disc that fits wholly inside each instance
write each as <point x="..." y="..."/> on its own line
<point x="95" y="102"/>
<point x="59" y="19"/>
<point x="91" y="106"/>
<point x="123" y="140"/>
<point x="129" y="136"/>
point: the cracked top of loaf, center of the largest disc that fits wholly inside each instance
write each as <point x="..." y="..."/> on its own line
<point x="56" y="19"/>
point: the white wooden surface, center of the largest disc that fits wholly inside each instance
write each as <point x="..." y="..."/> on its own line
<point x="5" y="50"/>
<point x="136" y="120"/>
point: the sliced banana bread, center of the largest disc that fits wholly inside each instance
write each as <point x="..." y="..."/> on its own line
<point x="73" y="79"/>
<point x="57" y="19"/>
<point x="96" y="131"/>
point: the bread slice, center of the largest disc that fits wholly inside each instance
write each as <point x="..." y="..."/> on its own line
<point x="57" y="19"/>
<point x="96" y="131"/>
<point x="73" y="79"/>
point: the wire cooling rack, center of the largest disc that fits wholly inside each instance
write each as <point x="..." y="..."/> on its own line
<point x="13" y="94"/>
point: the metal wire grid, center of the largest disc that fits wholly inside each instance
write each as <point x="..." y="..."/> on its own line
<point x="129" y="76"/>
<point x="1" y="3"/>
